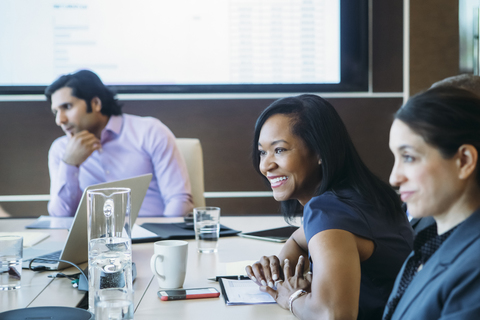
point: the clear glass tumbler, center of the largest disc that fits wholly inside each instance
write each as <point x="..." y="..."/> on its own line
<point x="207" y="228"/>
<point x="11" y="253"/>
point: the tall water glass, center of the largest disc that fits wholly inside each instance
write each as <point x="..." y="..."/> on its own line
<point x="11" y="253"/>
<point x="110" y="253"/>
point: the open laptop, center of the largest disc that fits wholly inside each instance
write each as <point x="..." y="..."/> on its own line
<point x="75" y="249"/>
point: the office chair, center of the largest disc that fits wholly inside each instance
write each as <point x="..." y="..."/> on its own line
<point x="191" y="150"/>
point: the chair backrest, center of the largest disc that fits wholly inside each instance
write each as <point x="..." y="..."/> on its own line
<point x="191" y="149"/>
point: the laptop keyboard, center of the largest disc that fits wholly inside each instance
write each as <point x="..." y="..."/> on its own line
<point x="54" y="256"/>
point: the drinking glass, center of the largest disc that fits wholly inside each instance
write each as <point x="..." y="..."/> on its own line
<point x="11" y="253"/>
<point x="114" y="304"/>
<point x="207" y="228"/>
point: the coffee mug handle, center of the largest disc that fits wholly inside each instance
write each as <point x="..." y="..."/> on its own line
<point x="153" y="264"/>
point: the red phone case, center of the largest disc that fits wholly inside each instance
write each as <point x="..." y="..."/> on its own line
<point x="204" y="295"/>
<point x="191" y="296"/>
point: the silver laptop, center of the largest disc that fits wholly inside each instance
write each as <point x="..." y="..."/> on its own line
<point x="75" y="249"/>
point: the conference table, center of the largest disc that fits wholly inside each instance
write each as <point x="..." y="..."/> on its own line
<point x="40" y="290"/>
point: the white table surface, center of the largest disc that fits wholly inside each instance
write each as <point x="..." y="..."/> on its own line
<point x="39" y="290"/>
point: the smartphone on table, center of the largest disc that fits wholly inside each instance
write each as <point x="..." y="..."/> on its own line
<point x="182" y="294"/>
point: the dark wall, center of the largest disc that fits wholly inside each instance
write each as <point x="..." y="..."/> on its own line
<point x="224" y="128"/>
<point x="434" y="42"/>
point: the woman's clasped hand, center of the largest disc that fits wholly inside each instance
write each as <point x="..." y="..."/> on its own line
<point x="280" y="282"/>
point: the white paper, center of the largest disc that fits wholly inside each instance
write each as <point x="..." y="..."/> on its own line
<point x="245" y="292"/>
<point x="238" y="267"/>
<point x="138" y="232"/>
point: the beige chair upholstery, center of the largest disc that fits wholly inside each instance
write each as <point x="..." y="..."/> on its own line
<point x="191" y="149"/>
<point x="3" y="213"/>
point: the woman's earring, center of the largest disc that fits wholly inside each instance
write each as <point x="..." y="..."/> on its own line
<point x="319" y="161"/>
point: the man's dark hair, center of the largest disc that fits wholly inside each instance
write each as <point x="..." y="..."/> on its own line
<point x="445" y="117"/>
<point x="316" y="122"/>
<point x="86" y="85"/>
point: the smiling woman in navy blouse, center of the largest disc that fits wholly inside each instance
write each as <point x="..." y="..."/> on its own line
<point x="354" y="237"/>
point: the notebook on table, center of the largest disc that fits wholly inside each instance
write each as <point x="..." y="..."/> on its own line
<point x="242" y="292"/>
<point x="75" y="249"/>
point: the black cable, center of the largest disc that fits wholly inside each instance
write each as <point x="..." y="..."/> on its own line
<point x="83" y="304"/>
<point x="41" y="268"/>
<point x="73" y="276"/>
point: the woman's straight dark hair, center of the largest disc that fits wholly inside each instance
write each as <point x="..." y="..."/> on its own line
<point x="317" y="123"/>
<point x="446" y="118"/>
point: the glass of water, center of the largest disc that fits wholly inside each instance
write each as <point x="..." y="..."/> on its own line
<point x="114" y="304"/>
<point x="207" y="228"/>
<point x="11" y="253"/>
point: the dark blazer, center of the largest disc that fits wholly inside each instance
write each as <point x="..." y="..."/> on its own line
<point x="448" y="286"/>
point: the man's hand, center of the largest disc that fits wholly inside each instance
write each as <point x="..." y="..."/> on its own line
<point x="80" y="146"/>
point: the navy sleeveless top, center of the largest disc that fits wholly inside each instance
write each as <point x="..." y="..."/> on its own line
<point x="347" y="210"/>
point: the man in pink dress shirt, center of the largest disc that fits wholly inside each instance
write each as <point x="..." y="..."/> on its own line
<point x="102" y="144"/>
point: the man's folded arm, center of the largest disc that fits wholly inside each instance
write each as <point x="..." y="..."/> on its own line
<point x="178" y="205"/>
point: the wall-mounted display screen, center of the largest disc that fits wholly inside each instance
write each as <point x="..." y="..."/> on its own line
<point x="186" y="46"/>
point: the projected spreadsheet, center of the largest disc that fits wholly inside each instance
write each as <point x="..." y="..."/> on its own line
<point x="176" y="42"/>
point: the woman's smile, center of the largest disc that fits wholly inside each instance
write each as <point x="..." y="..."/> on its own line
<point x="277" y="181"/>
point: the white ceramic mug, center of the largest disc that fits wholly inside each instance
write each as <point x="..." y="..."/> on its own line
<point x="169" y="263"/>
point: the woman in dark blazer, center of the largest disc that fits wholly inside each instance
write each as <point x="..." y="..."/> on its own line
<point x="435" y="139"/>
